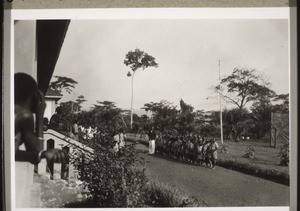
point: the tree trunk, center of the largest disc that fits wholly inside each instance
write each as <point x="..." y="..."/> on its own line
<point x="131" y="114"/>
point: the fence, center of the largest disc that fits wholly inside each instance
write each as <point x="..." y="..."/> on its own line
<point x="279" y="129"/>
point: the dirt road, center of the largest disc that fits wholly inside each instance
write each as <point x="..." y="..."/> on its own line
<point x="217" y="187"/>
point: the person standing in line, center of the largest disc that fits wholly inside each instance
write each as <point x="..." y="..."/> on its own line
<point x="121" y="138"/>
<point x="152" y="137"/>
<point x="213" y="151"/>
<point x="75" y="130"/>
<point x="116" y="139"/>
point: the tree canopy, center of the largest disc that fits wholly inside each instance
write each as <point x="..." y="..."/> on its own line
<point x="139" y="59"/>
<point x="243" y="86"/>
<point x="63" y="83"/>
<point x="163" y="113"/>
<point x="282" y="103"/>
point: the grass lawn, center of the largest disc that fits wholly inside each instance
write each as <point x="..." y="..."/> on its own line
<point x="265" y="156"/>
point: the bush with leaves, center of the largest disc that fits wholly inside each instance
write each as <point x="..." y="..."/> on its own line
<point x="249" y="153"/>
<point x="224" y="149"/>
<point x="164" y="195"/>
<point x="253" y="169"/>
<point x="114" y="179"/>
<point x="284" y="155"/>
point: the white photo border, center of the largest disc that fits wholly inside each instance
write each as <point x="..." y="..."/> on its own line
<point x="143" y="13"/>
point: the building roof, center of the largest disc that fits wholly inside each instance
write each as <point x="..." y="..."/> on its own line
<point x="50" y="35"/>
<point x="53" y="94"/>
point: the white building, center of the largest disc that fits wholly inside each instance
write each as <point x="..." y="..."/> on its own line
<point x="51" y="98"/>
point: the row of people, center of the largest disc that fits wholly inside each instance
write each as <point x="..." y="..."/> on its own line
<point x="190" y="148"/>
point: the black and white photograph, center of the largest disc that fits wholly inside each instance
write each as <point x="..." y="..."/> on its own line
<point x="160" y="112"/>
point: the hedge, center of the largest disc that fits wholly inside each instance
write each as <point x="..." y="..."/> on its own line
<point x="157" y="195"/>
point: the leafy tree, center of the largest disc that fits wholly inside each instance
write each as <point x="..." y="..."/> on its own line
<point x="184" y="107"/>
<point x="163" y="114"/>
<point x="199" y="120"/>
<point x="136" y="60"/>
<point x="107" y="114"/>
<point x="234" y="122"/>
<point x="243" y="86"/>
<point x="209" y="123"/>
<point x="282" y="107"/>
<point x="284" y="155"/>
<point x="185" y="119"/>
<point x="141" y="124"/>
<point x="63" y="83"/>
<point x="200" y="117"/>
<point x="78" y="103"/>
<point x="114" y="179"/>
<point x="209" y="130"/>
<point x="261" y="115"/>
<point x="71" y="106"/>
<point x="68" y="115"/>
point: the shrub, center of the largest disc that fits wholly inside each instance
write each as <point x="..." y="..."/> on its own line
<point x="224" y="149"/>
<point x="249" y="153"/>
<point x="113" y="178"/>
<point x="252" y="169"/>
<point x="164" y="195"/>
<point x="284" y="155"/>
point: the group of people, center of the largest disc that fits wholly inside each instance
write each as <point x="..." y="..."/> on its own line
<point x="119" y="139"/>
<point x="56" y="123"/>
<point x="191" y="148"/>
<point x="89" y="132"/>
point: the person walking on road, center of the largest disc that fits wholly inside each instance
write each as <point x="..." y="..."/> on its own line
<point x="152" y="137"/>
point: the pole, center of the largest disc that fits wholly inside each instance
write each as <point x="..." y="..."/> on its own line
<point x="221" y="120"/>
<point x="271" y="131"/>
<point x="131" y="114"/>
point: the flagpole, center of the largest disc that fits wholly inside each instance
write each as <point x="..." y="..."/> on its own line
<point x="221" y="120"/>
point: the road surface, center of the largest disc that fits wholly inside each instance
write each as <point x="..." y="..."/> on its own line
<point x="217" y="187"/>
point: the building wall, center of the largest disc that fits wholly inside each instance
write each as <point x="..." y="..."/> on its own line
<point x="25" y="47"/>
<point x="50" y="108"/>
<point x="23" y="182"/>
<point x="26" y="62"/>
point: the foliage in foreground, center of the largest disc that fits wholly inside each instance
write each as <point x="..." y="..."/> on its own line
<point x="157" y="195"/>
<point x="284" y="155"/>
<point x="250" y="153"/>
<point x="164" y="195"/>
<point x="113" y="178"/>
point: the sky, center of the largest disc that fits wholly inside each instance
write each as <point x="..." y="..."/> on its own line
<point x="187" y="52"/>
